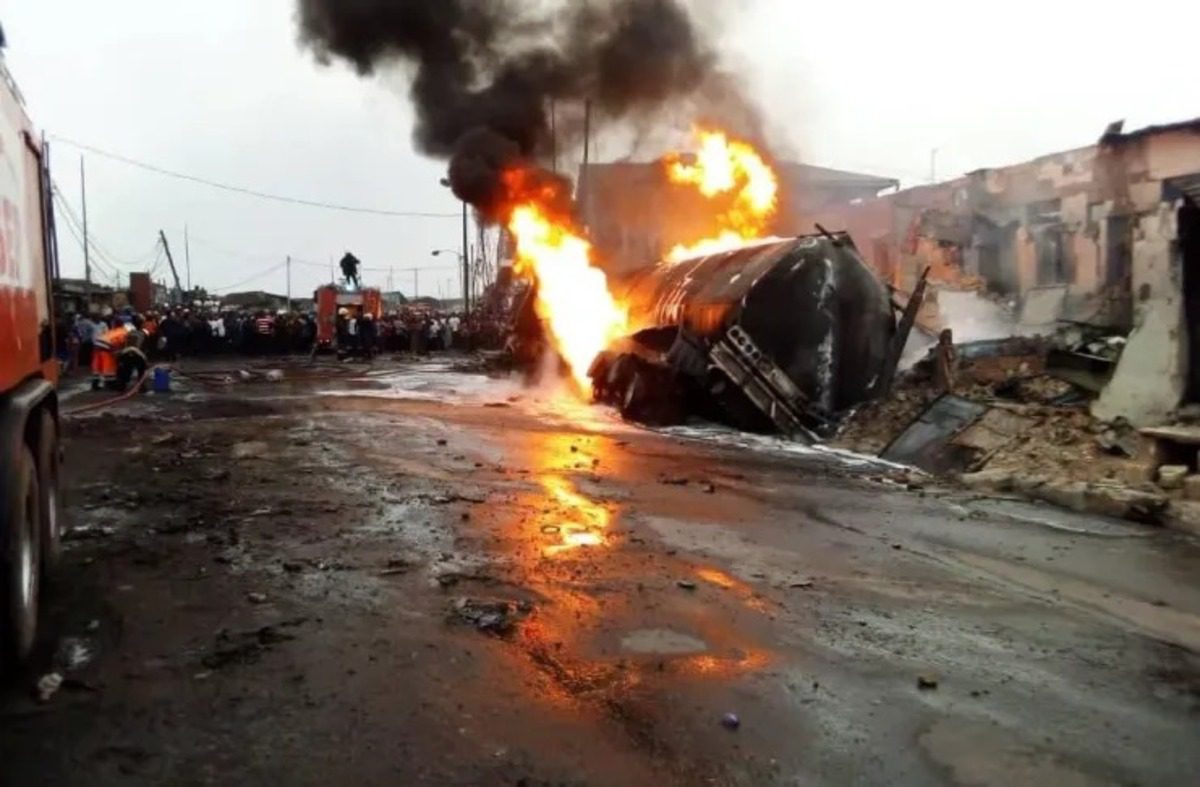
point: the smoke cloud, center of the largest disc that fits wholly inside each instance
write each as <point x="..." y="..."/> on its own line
<point x="485" y="72"/>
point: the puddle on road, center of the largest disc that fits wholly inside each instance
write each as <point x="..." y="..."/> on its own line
<point x="437" y="382"/>
<point x="662" y="642"/>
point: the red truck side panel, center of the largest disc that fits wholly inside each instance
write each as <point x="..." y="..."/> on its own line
<point x="24" y="285"/>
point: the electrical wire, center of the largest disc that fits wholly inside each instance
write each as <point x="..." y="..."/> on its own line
<point x="105" y="268"/>
<point x="97" y="263"/>
<point x="99" y="251"/>
<point x="246" y="281"/>
<point x="247" y="191"/>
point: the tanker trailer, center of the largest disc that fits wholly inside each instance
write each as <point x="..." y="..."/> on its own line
<point x="785" y="336"/>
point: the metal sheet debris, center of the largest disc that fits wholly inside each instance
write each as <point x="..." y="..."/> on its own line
<point x="926" y="443"/>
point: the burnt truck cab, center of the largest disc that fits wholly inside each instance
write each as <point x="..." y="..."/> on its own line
<point x="784" y="336"/>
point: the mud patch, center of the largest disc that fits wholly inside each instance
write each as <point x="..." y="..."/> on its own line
<point x="663" y="642"/>
<point x="981" y="754"/>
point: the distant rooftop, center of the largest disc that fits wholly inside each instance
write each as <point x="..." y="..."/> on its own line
<point x="626" y="173"/>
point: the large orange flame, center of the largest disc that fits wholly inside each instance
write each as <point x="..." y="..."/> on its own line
<point x="735" y="173"/>
<point x="581" y="314"/>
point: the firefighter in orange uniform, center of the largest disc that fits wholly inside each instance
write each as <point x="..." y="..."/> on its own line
<point x="104" y="355"/>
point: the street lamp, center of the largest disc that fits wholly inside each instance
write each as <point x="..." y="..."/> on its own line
<point x="466" y="274"/>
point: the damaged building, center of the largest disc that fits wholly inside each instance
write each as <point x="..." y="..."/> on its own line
<point x="635" y="215"/>
<point x="1107" y="235"/>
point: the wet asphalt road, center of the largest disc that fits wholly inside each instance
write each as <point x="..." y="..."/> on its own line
<point x="285" y="583"/>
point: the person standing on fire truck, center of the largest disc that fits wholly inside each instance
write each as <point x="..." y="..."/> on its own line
<point x="350" y="265"/>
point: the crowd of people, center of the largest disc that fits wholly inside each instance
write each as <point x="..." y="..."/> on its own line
<point x="172" y="334"/>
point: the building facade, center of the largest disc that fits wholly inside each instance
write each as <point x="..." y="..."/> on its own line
<point x="1113" y="224"/>
<point x="634" y="215"/>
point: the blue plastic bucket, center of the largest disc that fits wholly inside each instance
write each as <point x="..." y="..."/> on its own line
<point x="162" y="379"/>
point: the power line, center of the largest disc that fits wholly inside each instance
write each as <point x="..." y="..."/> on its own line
<point x="71" y="222"/>
<point x="101" y="267"/>
<point x="247" y="191"/>
<point x="246" y="281"/>
<point x="93" y="243"/>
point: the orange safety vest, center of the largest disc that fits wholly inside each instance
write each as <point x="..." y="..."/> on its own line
<point x="104" y="356"/>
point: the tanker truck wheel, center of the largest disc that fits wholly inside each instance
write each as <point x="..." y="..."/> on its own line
<point x="633" y="398"/>
<point x="51" y="507"/>
<point x="20" y="566"/>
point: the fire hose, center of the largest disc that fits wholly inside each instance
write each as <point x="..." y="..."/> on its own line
<point x="204" y="378"/>
<point x="198" y="378"/>
<point x="136" y="388"/>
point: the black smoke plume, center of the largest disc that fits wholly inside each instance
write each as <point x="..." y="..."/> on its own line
<point x="484" y="73"/>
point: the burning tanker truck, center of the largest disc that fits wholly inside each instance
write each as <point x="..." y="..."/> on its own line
<point x="787" y="336"/>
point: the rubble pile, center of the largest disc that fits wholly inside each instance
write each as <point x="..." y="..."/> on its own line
<point x="1013" y="416"/>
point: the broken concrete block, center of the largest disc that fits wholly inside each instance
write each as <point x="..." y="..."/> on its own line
<point x="988" y="481"/>
<point x="1191" y="487"/>
<point x="1136" y="473"/>
<point x="1028" y="484"/>
<point x="1185" y="516"/>
<point x="1122" y="502"/>
<point x="1172" y="476"/>
<point x="1068" y="494"/>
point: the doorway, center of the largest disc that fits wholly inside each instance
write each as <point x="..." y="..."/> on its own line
<point x="1189" y="253"/>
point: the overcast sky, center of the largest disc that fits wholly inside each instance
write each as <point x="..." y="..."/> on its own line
<point x="219" y="89"/>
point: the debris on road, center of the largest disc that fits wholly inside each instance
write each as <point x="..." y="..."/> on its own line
<point x="246" y="647"/>
<point x="730" y="721"/>
<point x="927" y="682"/>
<point x="252" y="449"/>
<point x="491" y="616"/>
<point x="686" y="584"/>
<point x="48" y="685"/>
<point x="256" y="598"/>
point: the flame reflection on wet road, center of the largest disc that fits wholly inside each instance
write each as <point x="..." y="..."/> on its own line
<point x="568" y="519"/>
<point x="570" y="547"/>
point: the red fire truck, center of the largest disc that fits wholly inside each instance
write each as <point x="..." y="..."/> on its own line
<point x="29" y="428"/>
<point x="331" y="299"/>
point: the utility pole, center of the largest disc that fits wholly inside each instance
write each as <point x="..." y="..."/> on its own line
<point x="187" y="257"/>
<point x="171" y="260"/>
<point x="553" y="135"/>
<point x="289" y="282"/>
<point x="581" y="193"/>
<point x="391" y="284"/>
<point x="466" y="262"/>
<point x="416" y="283"/>
<point x="933" y="165"/>
<point x="87" y="258"/>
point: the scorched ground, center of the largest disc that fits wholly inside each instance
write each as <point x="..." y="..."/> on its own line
<point x="423" y="576"/>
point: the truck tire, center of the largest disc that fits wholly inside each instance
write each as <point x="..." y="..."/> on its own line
<point x="48" y="456"/>
<point x="20" y="564"/>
